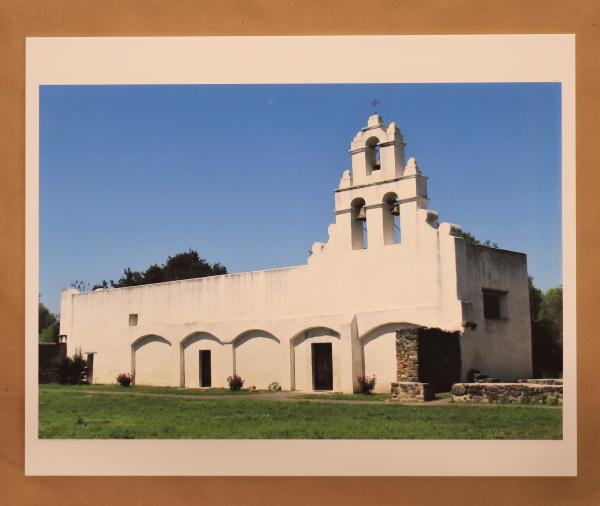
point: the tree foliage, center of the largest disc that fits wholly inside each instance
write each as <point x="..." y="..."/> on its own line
<point x="73" y="370"/>
<point x="536" y="297"/>
<point x="48" y="325"/>
<point x="468" y="237"/>
<point x="551" y="311"/>
<point x="546" y="331"/>
<point x="185" y="265"/>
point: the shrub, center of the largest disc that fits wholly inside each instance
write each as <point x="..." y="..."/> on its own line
<point x="73" y="370"/>
<point x="274" y="387"/>
<point x="124" y="379"/>
<point x="235" y="382"/>
<point x="367" y="383"/>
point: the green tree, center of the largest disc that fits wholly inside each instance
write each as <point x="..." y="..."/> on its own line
<point x="468" y="237"/>
<point x="536" y="297"/>
<point x="551" y="311"/>
<point x="48" y="325"/>
<point x="185" y="265"/>
<point x="189" y="265"/>
<point x="546" y="331"/>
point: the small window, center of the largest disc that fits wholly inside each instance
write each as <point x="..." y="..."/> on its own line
<point x="133" y="320"/>
<point x="494" y="305"/>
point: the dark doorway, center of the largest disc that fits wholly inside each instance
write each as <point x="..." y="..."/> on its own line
<point x="322" y="364"/>
<point x="205" y="374"/>
<point x="90" y="368"/>
<point x="439" y="358"/>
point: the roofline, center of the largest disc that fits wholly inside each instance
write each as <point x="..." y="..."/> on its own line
<point x="493" y="248"/>
<point x="230" y="274"/>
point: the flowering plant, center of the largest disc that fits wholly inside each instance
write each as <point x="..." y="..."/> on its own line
<point x="367" y="383"/>
<point x="235" y="382"/>
<point x="274" y="386"/>
<point x="124" y="379"/>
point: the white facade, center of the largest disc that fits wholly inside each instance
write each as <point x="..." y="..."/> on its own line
<point x="354" y="293"/>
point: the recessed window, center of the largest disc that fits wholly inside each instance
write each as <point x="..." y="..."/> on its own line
<point x="494" y="304"/>
<point x="133" y="319"/>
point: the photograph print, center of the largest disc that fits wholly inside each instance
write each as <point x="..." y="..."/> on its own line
<point x="300" y="261"/>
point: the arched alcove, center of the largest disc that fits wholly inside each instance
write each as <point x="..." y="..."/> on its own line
<point x="152" y="361"/>
<point x="202" y="361"/>
<point x="315" y="359"/>
<point x="379" y="354"/>
<point x="258" y="358"/>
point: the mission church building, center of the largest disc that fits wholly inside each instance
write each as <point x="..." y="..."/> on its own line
<point x="392" y="293"/>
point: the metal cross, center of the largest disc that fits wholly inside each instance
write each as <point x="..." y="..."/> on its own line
<point x="375" y="103"/>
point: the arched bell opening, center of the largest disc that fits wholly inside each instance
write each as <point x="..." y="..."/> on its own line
<point x="359" y="224"/>
<point x="391" y="219"/>
<point x="373" y="155"/>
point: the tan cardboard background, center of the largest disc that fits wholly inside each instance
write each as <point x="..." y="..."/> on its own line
<point x="19" y="19"/>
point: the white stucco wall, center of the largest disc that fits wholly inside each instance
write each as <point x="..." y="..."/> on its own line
<point x="302" y="361"/>
<point x="255" y="349"/>
<point x="155" y="361"/>
<point x="190" y="351"/>
<point x="379" y="351"/>
<point x="500" y="348"/>
<point x="378" y="285"/>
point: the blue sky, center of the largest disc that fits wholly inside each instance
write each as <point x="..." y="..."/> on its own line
<point x="245" y="173"/>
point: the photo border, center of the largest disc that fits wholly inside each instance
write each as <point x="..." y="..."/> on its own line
<point x="331" y="59"/>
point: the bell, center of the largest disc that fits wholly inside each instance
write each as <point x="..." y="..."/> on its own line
<point x="394" y="208"/>
<point x="362" y="215"/>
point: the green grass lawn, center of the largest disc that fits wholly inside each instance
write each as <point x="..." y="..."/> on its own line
<point x="142" y="389"/>
<point x="347" y="397"/>
<point x="77" y="414"/>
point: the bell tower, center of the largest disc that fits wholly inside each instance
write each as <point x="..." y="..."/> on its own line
<point x="377" y="152"/>
<point x="377" y="201"/>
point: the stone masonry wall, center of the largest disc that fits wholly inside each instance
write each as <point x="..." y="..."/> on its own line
<point x="543" y="381"/>
<point x="407" y="354"/>
<point x="511" y="393"/>
<point x="408" y="387"/>
<point x="412" y="391"/>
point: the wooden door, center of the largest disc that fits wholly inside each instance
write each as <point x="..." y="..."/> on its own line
<point x="205" y="372"/>
<point x="322" y="366"/>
